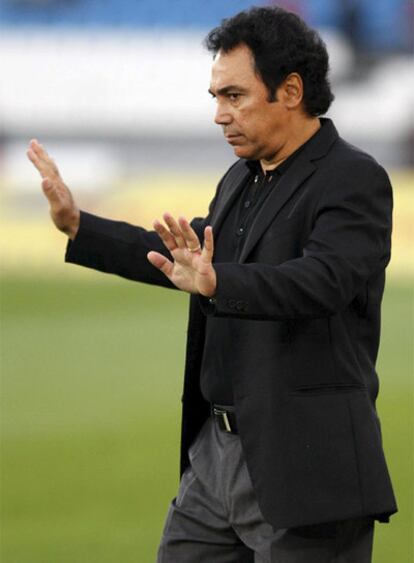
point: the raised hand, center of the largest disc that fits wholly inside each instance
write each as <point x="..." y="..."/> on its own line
<point x="63" y="209"/>
<point x="192" y="268"/>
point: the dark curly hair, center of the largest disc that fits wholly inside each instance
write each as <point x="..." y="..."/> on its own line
<point x="281" y="43"/>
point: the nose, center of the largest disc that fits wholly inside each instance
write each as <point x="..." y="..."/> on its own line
<point x="222" y="117"/>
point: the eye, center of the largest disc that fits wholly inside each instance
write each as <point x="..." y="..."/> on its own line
<point x="234" y="96"/>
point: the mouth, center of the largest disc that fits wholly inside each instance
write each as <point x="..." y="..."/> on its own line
<point x="233" y="139"/>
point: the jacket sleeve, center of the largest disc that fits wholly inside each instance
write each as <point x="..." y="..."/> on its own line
<point x="349" y="243"/>
<point x="116" y="247"/>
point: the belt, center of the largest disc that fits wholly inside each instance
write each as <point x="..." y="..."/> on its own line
<point x="226" y="419"/>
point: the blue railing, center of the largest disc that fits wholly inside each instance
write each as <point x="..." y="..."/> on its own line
<point x="381" y="25"/>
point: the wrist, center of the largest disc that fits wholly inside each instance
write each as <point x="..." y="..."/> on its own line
<point x="73" y="228"/>
<point x="211" y="289"/>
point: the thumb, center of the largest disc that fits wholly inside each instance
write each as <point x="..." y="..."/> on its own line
<point x="161" y="262"/>
<point x="49" y="190"/>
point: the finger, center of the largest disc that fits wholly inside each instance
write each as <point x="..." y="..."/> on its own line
<point x="165" y="235"/>
<point x="43" y="162"/>
<point x="44" y="168"/>
<point x="33" y="157"/>
<point x="208" y="247"/>
<point x="161" y="262"/>
<point x="175" y="230"/>
<point x="34" y="144"/>
<point x="37" y="160"/>
<point x="191" y="239"/>
<point x="38" y="148"/>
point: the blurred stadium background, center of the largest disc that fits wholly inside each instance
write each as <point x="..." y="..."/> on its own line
<point x="92" y="365"/>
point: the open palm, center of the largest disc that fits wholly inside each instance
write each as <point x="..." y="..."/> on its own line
<point x="192" y="269"/>
<point x="63" y="209"/>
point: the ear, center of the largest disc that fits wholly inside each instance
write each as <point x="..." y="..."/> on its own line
<point x="291" y="90"/>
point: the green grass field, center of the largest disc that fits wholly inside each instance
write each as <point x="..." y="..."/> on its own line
<point x="91" y="385"/>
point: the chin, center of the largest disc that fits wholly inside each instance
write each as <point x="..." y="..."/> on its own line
<point x="244" y="152"/>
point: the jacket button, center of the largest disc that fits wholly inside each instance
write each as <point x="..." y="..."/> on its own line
<point x="231" y="303"/>
<point x="241" y="306"/>
<point x="212" y="301"/>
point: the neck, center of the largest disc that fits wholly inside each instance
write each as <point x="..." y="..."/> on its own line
<point x="298" y="135"/>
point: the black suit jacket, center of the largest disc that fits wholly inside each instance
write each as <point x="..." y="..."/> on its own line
<point x="308" y="287"/>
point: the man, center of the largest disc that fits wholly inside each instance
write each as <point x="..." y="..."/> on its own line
<point x="281" y="446"/>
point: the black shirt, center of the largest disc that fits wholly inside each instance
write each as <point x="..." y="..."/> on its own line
<point x="216" y="376"/>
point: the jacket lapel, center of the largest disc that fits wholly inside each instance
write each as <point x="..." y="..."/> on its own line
<point x="233" y="184"/>
<point x="286" y="187"/>
<point x="302" y="168"/>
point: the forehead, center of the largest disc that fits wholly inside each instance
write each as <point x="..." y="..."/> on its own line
<point x="235" y="67"/>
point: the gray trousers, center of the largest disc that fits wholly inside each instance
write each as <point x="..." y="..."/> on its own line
<point x="216" y="519"/>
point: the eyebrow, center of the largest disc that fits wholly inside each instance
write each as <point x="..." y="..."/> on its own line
<point x="226" y="90"/>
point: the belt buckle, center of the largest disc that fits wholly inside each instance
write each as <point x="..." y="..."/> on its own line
<point x="224" y="418"/>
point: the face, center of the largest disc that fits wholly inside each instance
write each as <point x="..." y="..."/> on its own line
<point x="253" y="126"/>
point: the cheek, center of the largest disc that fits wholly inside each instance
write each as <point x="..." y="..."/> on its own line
<point x="255" y="125"/>
<point x="258" y="132"/>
